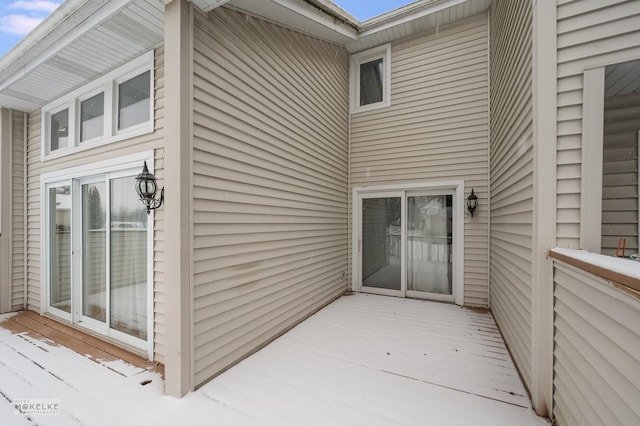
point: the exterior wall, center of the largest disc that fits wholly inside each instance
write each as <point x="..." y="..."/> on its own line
<point x="590" y="34"/>
<point x="17" y="211"/>
<point x="620" y="173"/>
<point x="512" y="178"/>
<point x="270" y="136"/>
<point x="35" y="167"/>
<point x="436" y="129"/>
<point x="596" y="361"/>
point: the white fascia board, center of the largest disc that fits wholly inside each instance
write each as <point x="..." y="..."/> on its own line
<point x="105" y="12"/>
<point x="401" y="16"/>
<point x="38" y="33"/>
<point x="319" y="17"/>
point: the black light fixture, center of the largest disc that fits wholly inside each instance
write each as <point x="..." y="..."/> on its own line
<point x="472" y="202"/>
<point x="147" y="188"/>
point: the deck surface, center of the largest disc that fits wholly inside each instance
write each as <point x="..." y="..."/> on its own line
<point x="363" y="360"/>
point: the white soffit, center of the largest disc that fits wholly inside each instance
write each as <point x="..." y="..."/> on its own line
<point x="414" y="18"/>
<point x="91" y="40"/>
<point x="302" y="16"/>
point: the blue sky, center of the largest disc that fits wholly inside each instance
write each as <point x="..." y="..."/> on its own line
<point x="18" y="17"/>
<point x="365" y="9"/>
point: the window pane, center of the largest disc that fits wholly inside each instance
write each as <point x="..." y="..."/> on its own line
<point x="60" y="248"/>
<point x="128" y="259"/>
<point x="381" y="246"/>
<point x="59" y="137"/>
<point x="134" y="101"/>
<point x="371" y="75"/>
<point x="429" y="243"/>
<point x="92" y="117"/>
<point x="94" y="244"/>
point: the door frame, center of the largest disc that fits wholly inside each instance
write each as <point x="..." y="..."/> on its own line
<point x="361" y="192"/>
<point x="114" y="168"/>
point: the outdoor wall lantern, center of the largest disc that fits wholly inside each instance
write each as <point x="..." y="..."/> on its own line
<point x="472" y="202"/>
<point x="147" y="188"/>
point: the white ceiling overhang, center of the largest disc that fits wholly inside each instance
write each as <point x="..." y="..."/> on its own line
<point x="79" y="42"/>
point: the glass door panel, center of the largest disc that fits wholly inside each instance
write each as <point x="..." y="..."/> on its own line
<point x="382" y="243"/>
<point x="60" y="248"/>
<point x="128" y="257"/>
<point x="429" y="243"/>
<point x="94" y="244"/>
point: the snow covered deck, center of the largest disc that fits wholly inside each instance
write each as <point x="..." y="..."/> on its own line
<point x="363" y="360"/>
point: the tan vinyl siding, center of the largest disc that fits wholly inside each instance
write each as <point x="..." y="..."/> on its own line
<point x="17" y="211"/>
<point x="35" y="167"/>
<point x="596" y="361"/>
<point x="269" y="183"/>
<point x="512" y="177"/>
<point x="436" y="129"/>
<point x="620" y="173"/>
<point x="590" y="33"/>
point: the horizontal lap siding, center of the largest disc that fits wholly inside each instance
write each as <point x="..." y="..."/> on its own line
<point x="436" y="129"/>
<point x="620" y="173"/>
<point x="153" y="141"/>
<point x="17" y="212"/>
<point x="512" y="177"/>
<point x="269" y="183"/>
<point x="596" y="351"/>
<point x="590" y="33"/>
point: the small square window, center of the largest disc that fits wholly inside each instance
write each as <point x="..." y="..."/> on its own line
<point x="92" y="117"/>
<point x="134" y="101"/>
<point x="59" y="130"/>
<point x="370" y="86"/>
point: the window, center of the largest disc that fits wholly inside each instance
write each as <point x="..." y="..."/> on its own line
<point x="98" y="241"/>
<point x="610" y="166"/>
<point x="92" y="117"/>
<point x="134" y="99"/>
<point x="116" y="106"/>
<point x="59" y="128"/>
<point x="371" y="79"/>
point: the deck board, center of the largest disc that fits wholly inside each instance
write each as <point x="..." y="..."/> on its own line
<point x="362" y="360"/>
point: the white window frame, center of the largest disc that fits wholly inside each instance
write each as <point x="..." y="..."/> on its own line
<point x="457" y="186"/>
<point x="592" y="155"/>
<point x="107" y="84"/>
<point x="67" y="177"/>
<point x="381" y="52"/>
<point x="78" y="121"/>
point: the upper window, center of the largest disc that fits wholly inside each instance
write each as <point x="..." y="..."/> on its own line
<point x="371" y="79"/>
<point x="116" y="106"/>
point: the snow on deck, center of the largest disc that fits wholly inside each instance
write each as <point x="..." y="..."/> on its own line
<point x="363" y="360"/>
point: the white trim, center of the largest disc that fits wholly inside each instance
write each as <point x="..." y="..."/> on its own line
<point x="381" y="52"/>
<point x="107" y="84"/>
<point x="73" y="176"/>
<point x="391" y="19"/>
<point x="591" y="173"/>
<point x="544" y="88"/>
<point x="458" y="205"/>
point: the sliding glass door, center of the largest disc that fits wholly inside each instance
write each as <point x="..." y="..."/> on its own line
<point x="381" y="243"/>
<point x="98" y="267"/>
<point x="406" y="243"/>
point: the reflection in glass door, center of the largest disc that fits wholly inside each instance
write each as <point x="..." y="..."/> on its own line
<point x="429" y="243"/>
<point x="94" y="251"/>
<point x="381" y="242"/>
